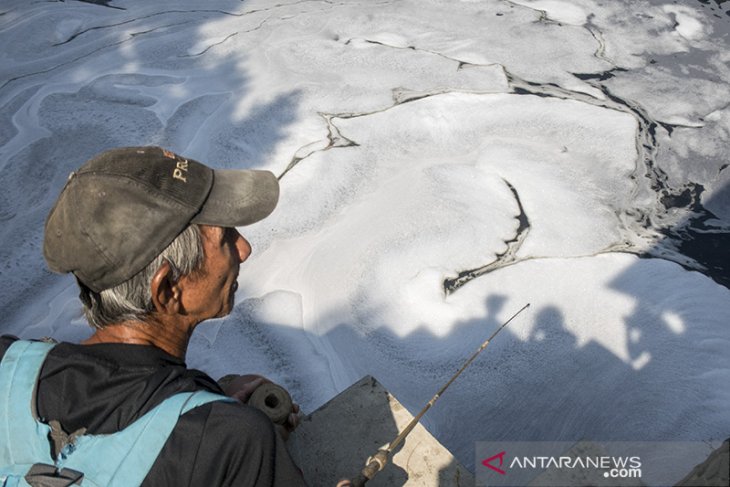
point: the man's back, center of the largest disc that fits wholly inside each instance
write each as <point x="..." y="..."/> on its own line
<point x="104" y="388"/>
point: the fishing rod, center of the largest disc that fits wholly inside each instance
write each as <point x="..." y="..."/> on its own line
<point x="377" y="462"/>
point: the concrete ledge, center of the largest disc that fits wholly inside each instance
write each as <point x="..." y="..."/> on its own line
<point x="334" y="442"/>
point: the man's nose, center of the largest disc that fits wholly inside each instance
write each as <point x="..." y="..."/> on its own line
<point x="242" y="246"/>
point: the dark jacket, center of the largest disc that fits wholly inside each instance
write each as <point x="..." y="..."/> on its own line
<point x="105" y="387"/>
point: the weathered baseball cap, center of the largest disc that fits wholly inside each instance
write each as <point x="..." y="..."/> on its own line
<point x="123" y="207"/>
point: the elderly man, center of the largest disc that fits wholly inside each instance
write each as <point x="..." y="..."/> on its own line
<point x="150" y="237"/>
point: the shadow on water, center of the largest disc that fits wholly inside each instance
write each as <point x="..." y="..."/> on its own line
<point x="665" y="335"/>
<point x="377" y="353"/>
<point x="545" y="386"/>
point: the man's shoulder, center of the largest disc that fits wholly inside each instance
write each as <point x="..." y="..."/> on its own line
<point x="5" y="342"/>
<point x="226" y="419"/>
<point x="106" y="387"/>
<point x="216" y="443"/>
<point x="230" y="444"/>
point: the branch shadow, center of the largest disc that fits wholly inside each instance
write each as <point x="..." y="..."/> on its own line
<point x="115" y="78"/>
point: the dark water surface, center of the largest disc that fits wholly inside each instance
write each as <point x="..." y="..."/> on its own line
<point x="705" y="237"/>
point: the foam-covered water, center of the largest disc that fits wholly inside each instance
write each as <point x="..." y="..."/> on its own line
<point x="441" y="165"/>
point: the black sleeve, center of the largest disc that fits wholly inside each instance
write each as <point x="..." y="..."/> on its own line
<point x="5" y="342"/>
<point x="224" y="444"/>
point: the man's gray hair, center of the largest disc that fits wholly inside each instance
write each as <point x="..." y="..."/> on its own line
<point x="131" y="300"/>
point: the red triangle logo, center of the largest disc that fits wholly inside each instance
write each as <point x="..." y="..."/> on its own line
<point x="488" y="462"/>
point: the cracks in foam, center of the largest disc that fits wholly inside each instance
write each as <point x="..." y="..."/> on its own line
<point x="654" y="230"/>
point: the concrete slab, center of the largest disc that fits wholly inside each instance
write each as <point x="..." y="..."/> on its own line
<point x="334" y="442"/>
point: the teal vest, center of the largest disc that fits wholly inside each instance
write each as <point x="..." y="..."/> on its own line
<point x="122" y="459"/>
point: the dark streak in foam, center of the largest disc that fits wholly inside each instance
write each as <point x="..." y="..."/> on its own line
<point x="99" y="27"/>
<point x="505" y="258"/>
<point x="521" y="91"/>
<point x="640" y="224"/>
<point x="687" y="241"/>
<point x="88" y="54"/>
<point x="103" y="3"/>
<point x="687" y="198"/>
<point x="241" y="14"/>
<point x="337" y="140"/>
<point x="599" y="76"/>
<point x="668" y="127"/>
<point x="334" y="137"/>
<point x="218" y="43"/>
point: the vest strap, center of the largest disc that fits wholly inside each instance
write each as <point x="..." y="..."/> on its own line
<point x="130" y="453"/>
<point x="121" y="459"/>
<point x="19" y="371"/>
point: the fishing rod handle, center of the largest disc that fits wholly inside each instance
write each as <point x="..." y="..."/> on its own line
<point x="376" y="463"/>
<point x="366" y="474"/>
<point x="359" y="481"/>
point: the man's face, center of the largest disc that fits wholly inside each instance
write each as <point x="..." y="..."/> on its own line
<point x="209" y="292"/>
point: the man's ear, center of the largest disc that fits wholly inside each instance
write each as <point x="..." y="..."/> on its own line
<point x="165" y="291"/>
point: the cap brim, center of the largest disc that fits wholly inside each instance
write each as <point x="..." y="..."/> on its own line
<point x="239" y="197"/>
